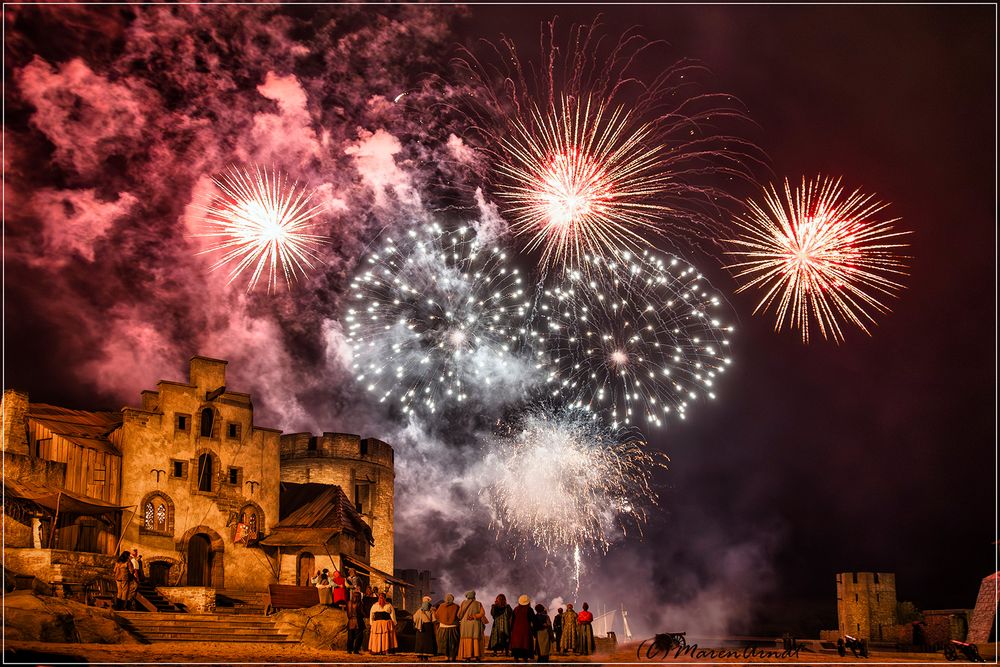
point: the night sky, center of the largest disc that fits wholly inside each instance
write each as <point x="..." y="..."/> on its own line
<point x="875" y="454"/>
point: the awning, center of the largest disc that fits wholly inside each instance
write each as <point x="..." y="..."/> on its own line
<point x="371" y="570"/>
<point x="66" y="502"/>
<point x="298" y="537"/>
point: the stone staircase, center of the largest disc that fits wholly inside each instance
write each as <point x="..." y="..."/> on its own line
<point x="240" y="602"/>
<point x="179" y="627"/>
<point x="160" y="603"/>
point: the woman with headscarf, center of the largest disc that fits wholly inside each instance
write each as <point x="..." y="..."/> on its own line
<point x="500" y="633"/>
<point x="472" y="620"/>
<point x="383" y="627"/>
<point x="339" y="588"/>
<point x="447" y="632"/>
<point x="542" y="627"/>
<point x="355" y="622"/>
<point x="568" y="640"/>
<point x="323" y="587"/>
<point x="585" y="631"/>
<point x="423" y="621"/>
<point x="522" y="640"/>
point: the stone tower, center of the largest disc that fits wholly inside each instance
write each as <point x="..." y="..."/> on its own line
<point x="362" y="467"/>
<point x="866" y="604"/>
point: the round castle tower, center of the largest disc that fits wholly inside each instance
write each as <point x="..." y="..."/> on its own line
<point x="362" y="467"/>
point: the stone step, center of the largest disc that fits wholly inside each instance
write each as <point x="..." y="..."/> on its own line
<point x="222" y="625"/>
<point x="230" y="639"/>
<point x="188" y="630"/>
<point x="187" y="617"/>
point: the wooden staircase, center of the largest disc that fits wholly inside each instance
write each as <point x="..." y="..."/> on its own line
<point x="181" y="627"/>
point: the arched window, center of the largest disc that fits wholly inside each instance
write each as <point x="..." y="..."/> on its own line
<point x="205" y="472"/>
<point x="252" y="517"/>
<point x="207" y="420"/>
<point x="157" y="514"/>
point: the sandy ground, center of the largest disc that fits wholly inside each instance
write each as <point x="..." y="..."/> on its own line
<point x="196" y="652"/>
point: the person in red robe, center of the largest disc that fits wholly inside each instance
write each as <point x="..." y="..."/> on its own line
<point x="339" y="588"/>
<point x="522" y="644"/>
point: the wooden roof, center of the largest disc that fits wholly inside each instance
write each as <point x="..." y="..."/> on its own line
<point x="318" y="506"/>
<point x="88" y="429"/>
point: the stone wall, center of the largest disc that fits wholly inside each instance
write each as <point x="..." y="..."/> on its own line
<point x="58" y="567"/>
<point x="983" y="620"/>
<point x="14" y="411"/>
<point x="866" y="604"/>
<point x="195" y="599"/>
<point x="345" y="460"/>
<point x="168" y="431"/>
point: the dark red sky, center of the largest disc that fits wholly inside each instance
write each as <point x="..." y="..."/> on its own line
<point x="878" y="454"/>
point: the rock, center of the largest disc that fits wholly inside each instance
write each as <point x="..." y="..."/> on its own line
<point x="320" y="626"/>
<point x="31" y="617"/>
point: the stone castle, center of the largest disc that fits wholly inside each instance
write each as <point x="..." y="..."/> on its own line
<point x="211" y="499"/>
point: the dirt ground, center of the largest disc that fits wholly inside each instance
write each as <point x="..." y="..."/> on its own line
<point x="36" y="653"/>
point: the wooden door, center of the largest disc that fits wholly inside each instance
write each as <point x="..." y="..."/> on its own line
<point x="199" y="561"/>
<point x="306" y="568"/>
<point x="159" y="573"/>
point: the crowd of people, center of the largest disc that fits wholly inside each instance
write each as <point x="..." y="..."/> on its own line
<point x="456" y="631"/>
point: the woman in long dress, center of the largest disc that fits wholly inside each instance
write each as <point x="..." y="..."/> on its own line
<point x="423" y="621"/>
<point x="584" y="631"/>
<point x="382" y="622"/>
<point x="472" y="621"/>
<point x="323" y="586"/>
<point x="522" y="639"/>
<point x="500" y="632"/>
<point x="567" y="642"/>
<point x="543" y="633"/>
<point x="339" y="588"/>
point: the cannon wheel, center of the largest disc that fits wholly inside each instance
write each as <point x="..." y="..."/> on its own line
<point x="950" y="653"/>
<point x="681" y="642"/>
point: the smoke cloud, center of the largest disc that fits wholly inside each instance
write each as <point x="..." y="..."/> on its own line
<point x="114" y="133"/>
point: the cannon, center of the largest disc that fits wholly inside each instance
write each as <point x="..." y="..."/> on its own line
<point x="970" y="651"/>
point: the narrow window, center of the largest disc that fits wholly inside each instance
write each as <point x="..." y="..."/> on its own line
<point x="855" y="597"/>
<point x="234" y="431"/>
<point x="161" y="517"/>
<point x="182" y="422"/>
<point x="148" y="514"/>
<point x="234" y="475"/>
<point x="855" y="576"/>
<point x="313" y="441"/>
<point x="876" y="577"/>
<point x="207" y="419"/>
<point x="205" y="472"/>
<point x="362" y="497"/>
<point x="178" y="469"/>
<point x="364" y="447"/>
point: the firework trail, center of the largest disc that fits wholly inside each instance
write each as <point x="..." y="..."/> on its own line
<point x="589" y="158"/>
<point x="562" y="482"/>
<point x="819" y="254"/>
<point x="260" y="222"/>
<point x="434" y="319"/>
<point x="636" y="339"/>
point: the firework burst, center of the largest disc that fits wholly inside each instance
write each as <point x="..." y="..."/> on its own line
<point x="590" y="158"/>
<point x="434" y="318"/>
<point x="636" y="339"/>
<point x="562" y="482"/>
<point x="262" y="224"/>
<point x="819" y="254"/>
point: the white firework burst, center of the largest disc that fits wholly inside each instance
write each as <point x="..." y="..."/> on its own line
<point x="637" y="338"/>
<point x="435" y="318"/>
